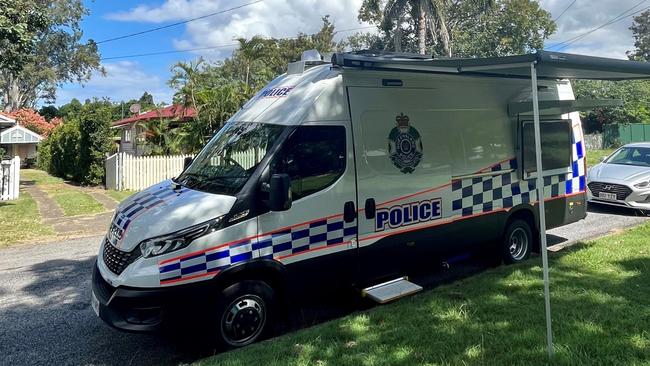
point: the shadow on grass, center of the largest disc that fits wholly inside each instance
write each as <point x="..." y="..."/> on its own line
<point x="600" y="316"/>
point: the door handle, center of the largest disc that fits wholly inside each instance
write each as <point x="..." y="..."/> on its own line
<point x="349" y="213"/>
<point x="371" y="209"/>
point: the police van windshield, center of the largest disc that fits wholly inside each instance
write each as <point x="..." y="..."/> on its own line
<point x="230" y="158"/>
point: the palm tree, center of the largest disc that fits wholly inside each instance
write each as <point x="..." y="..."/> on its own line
<point x="431" y="14"/>
<point x="251" y="50"/>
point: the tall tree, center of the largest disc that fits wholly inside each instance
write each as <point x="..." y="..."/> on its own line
<point x="57" y="56"/>
<point x="641" y="31"/>
<point x="432" y="18"/>
<point x="20" y="22"/>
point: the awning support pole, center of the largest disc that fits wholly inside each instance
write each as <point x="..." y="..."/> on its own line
<point x="542" y="214"/>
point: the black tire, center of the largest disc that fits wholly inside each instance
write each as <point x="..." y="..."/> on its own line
<point x="245" y="314"/>
<point x="518" y="242"/>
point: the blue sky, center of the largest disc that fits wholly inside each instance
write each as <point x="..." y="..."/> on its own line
<point x="129" y="77"/>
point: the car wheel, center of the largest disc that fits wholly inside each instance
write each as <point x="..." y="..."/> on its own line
<point x="245" y="313"/>
<point x="517" y="242"/>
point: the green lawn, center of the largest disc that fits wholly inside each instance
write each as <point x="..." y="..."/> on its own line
<point x="19" y="220"/>
<point x="119" y="196"/>
<point x="594" y="156"/>
<point x="73" y="201"/>
<point x="601" y="315"/>
<point x="39" y="177"/>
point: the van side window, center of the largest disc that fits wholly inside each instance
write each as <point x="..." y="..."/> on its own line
<point x="314" y="158"/>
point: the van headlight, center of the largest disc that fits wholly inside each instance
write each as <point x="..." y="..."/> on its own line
<point x="178" y="240"/>
<point x="645" y="184"/>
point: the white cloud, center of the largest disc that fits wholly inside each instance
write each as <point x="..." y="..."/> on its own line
<point x="124" y="80"/>
<point x="585" y="15"/>
<point x="271" y="18"/>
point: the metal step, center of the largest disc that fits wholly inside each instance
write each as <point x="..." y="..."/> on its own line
<point x="391" y="290"/>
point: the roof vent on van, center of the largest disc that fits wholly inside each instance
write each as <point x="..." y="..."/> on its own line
<point x="311" y="55"/>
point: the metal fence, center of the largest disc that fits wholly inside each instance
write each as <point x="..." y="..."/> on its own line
<point x="9" y="179"/>
<point x="615" y="135"/>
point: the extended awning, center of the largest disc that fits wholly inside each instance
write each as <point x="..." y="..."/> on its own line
<point x="549" y="65"/>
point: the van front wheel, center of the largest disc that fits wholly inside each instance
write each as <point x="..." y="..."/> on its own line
<point x="245" y="313"/>
<point x="517" y="242"/>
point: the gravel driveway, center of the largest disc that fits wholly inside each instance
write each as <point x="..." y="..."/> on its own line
<point x="45" y="314"/>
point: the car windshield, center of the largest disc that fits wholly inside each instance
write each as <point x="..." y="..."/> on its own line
<point x="230" y="158"/>
<point x="639" y="156"/>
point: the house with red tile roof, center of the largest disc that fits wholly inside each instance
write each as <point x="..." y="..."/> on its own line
<point x="132" y="127"/>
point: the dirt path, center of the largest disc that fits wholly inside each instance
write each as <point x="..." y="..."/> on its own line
<point x="52" y="214"/>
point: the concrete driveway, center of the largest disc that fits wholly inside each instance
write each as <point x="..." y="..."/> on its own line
<point x="46" y="319"/>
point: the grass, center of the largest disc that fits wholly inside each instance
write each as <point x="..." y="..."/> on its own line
<point x="594" y="156"/>
<point x="39" y="177"/>
<point x="73" y="201"/>
<point x="119" y="196"/>
<point x="20" y="221"/>
<point x="600" y="298"/>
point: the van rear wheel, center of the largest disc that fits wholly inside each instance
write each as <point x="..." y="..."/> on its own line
<point x="245" y="313"/>
<point x="517" y="242"/>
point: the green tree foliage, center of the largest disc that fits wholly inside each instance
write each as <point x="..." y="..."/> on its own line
<point x="473" y="27"/>
<point x="76" y="149"/>
<point x="511" y="27"/>
<point x="161" y="137"/>
<point x="59" y="153"/>
<point x="634" y="94"/>
<point x="217" y="90"/>
<point x="94" y="141"/>
<point x="70" y="109"/>
<point x="641" y="30"/>
<point x="49" y="112"/>
<point x="20" y="22"/>
<point x="57" y="56"/>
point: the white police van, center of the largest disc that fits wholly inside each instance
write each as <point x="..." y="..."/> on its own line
<point x="353" y="174"/>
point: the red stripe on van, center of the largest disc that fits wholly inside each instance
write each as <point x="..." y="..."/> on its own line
<point x="188" y="278"/>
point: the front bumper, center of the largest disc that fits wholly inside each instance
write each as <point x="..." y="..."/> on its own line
<point x="147" y="309"/>
<point x="638" y="199"/>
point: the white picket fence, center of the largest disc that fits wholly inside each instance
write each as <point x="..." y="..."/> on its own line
<point x="9" y="179"/>
<point x="135" y="173"/>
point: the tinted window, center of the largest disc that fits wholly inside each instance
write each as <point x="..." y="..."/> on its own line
<point x="556" y="145"/>
<point x="314" y="157"/>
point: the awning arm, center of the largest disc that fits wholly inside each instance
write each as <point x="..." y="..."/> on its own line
<point x="542" y="212"/>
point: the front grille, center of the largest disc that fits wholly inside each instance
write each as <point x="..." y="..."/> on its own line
<point x="117" y="260"/>
<point x="621" y="191"/>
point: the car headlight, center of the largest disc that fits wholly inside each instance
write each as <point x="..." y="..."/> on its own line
<point x="645" y="184"/>
<point x="178" y="240"/>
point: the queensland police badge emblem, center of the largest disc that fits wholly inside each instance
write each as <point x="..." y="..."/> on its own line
<point x="404" y="145"/>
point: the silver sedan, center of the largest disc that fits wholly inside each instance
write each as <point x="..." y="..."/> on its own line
<point x="623" y="178"/>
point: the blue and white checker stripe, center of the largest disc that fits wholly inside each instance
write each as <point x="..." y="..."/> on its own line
<point x="295" y="240"/>
<point x="485" y="194"/>
<point x="576" y="180"/>
<point x="143" y="202"/>
<point x="306" y="237"/>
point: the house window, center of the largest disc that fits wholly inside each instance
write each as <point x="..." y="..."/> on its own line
<point x="126" y="135"/>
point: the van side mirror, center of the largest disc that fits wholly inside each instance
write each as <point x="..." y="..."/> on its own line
<point x="187" y="162"/>
<point x="280" y="192"/>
